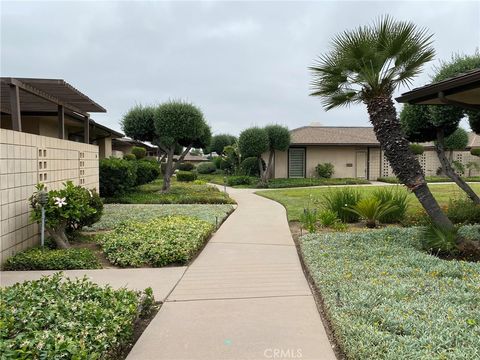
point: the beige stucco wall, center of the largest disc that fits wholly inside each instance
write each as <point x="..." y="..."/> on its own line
<point x="25" y="160"/>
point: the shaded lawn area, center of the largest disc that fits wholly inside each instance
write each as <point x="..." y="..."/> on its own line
<point x="180" y="193"/>
<point x="386" y="299"/>
<point x="115" y="214"/>
<point x="219" y="179"/>
<point x="295" y="200"/>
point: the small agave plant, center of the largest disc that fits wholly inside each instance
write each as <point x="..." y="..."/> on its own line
<point x="371" y="210"/>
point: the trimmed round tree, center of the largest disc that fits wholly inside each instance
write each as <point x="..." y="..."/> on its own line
<point x="138" y="123"/>
<point x="179" y="123"/>
<point x="220" y="141"/>
<point x="253" y="142"/>
<point x="279" y="140"/>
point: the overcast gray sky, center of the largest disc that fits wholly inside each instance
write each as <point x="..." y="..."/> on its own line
<point x="242" y="63"/>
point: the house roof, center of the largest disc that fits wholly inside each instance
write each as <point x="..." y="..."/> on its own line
<point x="130" y="141"/>
<point x="340" y="135"/>
<point x="462" y="90"/>
<point x="190" y="157"/>
<point x="333" y="135"/>
<point x="44" y="95"/>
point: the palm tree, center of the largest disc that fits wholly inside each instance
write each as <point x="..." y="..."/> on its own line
<point x="366" y="65"/>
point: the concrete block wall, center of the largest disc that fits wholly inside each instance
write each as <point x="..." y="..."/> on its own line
<point x="25" y="160"/>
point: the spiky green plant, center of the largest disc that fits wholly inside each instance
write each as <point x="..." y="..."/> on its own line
<point x="371" y="210"/>
<point x="338" y="200"/>
<point x="308" y="219"/>
<point x="437" y="239"/>
<point x="394" y="195"/>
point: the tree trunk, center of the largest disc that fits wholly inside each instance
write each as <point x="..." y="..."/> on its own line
<point x="448" y="170"/>
<point x="269" y="165"/>
<point x="58" y="234"/>
<point x="405" y="165"/>
<point x="263" y="177"/>
<point x="168" y="171"/>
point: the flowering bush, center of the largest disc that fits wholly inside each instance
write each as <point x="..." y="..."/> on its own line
<point x="69" y="208"/>
<point x="59" y="318"/>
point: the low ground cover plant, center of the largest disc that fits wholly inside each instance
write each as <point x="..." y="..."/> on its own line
<point x="39" y="258"/>
<point x="59" y="318"/>
<point x="157" y="242"/>
<point x="115" y="214"/>
<point x="180" y="193"/>
<point x="239" y="180"/>
<point x="387" y="299"/>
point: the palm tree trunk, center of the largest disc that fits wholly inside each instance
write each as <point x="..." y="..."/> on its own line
<point x="405" y="165"/>
<point x="448" y="170"/>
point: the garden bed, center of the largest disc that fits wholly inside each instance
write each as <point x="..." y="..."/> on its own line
<point x="55" y="317"/>
<point x="180" y="193"/>
<point x="386" y="299"/>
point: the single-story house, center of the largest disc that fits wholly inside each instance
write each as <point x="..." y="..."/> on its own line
<point x="124" y="145"/>
<point x="47" y="136"/>
<point x="354" y="151"/>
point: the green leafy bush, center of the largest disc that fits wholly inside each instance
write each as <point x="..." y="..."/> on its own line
<point x="157" y="242"/>
<point x="371" y="210"/>
<point x="139" y="152"/>
<point x="328" y="218"/>
<point x="129" y="157"/>
<point x="436" y="239"/>
<point x="463" y="211"/>
<point x="186" y="176"/>
<point x="206" y="168"/>
<point x="308" y="219"/>
<point x="219" y="162"/>
<point x="387" y="299"/>
<point x="240" y="180"/>
<point x="60" y="318"/>
<point x="117" y="176"/>
<point x="58" y="259"/>
<point x="417" y="149"/>
<point x="396" y="196"/>
<point x="186" y="166"/>
<point x="66" y="209"/>
<point x="325" y="170"/>
<point x="338" y="200"/>
<point x="147" y="171"/>
<point x="249" y="167"/>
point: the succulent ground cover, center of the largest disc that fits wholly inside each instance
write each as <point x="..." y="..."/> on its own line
<point x="59" y="318"/>
<point x="115" y="214"/>
<point x="386" y="299"/>
<point x="157" y="242"/>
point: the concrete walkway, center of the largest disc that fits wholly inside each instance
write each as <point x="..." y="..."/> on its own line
<point x="244" y="297"/>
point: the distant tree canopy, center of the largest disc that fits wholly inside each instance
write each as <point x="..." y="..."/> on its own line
<point x="220" y="141"/>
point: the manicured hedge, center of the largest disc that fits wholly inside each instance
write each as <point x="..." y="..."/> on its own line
<point x="386" y="299"/>
<point x="186" y="176"/>
<point x="53" y="259"/>
<point x="147" y="171"/>
<point x="241" y="180"/>
<point x="56" y="318"/>
<point x="206" y="168"/>
<point x="158" y="242"/>
<point x="186" y="166"/>
<point x="117" y="176"/>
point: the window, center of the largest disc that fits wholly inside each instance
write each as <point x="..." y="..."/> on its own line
<point x="296" y="163"/>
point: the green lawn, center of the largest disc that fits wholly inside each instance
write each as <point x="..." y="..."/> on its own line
<point x="180" y="193"/>
<point x="430" y="179"/>
<point x="115" y="214"/>
<point x="284" y="183"/>
<point x="295" y="200"/>
<point x="386" y="299"/>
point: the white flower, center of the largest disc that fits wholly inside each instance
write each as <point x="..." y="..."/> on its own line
<point x="346" y="205"/>
<point x="60" y="202"/>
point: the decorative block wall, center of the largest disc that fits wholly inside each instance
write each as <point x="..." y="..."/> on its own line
<point x="25" y="160"/>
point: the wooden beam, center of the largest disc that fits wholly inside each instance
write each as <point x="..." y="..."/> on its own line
<point x="86" y="130"/>
<point x="43" y="95"/>
<point x="61" y="122"/>
<point x="15" y="108"/>
<point x="444" y="100"/>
